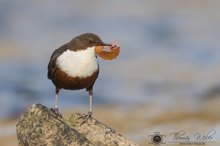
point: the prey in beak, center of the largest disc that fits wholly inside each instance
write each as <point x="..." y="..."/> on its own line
<point x="108" y="51"/>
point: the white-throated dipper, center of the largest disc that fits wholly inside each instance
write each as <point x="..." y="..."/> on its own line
<point x="74" y="65"/>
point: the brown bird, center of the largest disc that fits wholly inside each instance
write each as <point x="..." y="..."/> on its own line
<point x="74" y="65"/>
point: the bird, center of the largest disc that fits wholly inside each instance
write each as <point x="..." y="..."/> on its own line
<point x="75" y="66"/>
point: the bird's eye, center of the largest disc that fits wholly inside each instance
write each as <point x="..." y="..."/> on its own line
<point x="90" y="41"/>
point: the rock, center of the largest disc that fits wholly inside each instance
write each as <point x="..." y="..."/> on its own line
<point x="41" y="126"/>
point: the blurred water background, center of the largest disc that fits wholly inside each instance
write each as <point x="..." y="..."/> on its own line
<point x="170" y="56"/>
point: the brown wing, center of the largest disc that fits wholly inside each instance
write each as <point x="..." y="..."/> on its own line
<point x="52" y="63"/>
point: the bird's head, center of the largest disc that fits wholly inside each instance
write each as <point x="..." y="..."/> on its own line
<point x="104" y="50"/>
<point x="91" y="40"/>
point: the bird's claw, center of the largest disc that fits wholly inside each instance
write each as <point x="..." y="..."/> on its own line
<point x="56" y="111"/>
<point x="86" y="117"/>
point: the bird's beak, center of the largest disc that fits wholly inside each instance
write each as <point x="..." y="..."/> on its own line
<point x="105" y="44"/>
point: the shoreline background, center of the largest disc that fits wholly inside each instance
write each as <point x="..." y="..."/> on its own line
<point x="165" y="79"/>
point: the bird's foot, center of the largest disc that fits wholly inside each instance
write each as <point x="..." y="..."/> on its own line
<point x="86" y="117"/>
<point x="56" y="111"/>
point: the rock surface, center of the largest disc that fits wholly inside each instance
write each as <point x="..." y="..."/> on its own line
<point x="41" y="126"/>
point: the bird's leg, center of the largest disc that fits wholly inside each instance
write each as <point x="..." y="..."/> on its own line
<point x="56" y="109"/>
<point x="90" y="101"/>
<point x="89" y="115"/>
<point x="56" y="104"/>
<point x="56" y="101"/>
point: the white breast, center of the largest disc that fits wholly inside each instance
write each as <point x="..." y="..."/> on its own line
<point x="82" y="63"/>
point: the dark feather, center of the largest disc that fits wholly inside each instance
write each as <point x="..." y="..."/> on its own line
<point x="52" y="64"/>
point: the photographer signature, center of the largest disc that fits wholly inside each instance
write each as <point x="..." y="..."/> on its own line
<point x="182" y="136"/>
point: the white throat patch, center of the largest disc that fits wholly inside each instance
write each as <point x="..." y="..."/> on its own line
<point x="82" y="63"/>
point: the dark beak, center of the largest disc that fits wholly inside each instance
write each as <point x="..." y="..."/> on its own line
<point x="105" y="44"/>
